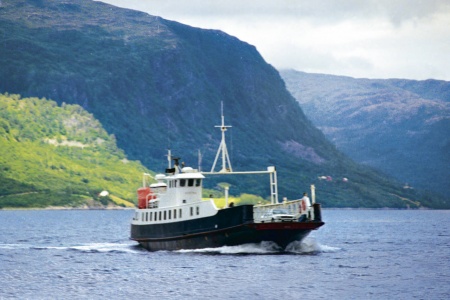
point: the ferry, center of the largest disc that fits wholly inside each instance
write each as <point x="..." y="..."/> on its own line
<point x="172" y="215"/>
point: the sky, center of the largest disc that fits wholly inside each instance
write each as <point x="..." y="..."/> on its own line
<point x="359" y="38"/>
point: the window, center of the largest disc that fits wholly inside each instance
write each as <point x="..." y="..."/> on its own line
<point x="142" y="217"/>
<point x="198" y="182"/>
<point x="181" y="215"/>
<point x="151" y="215"/>
<point x="170" y="214"/>
<point x="192" y="211"/>
<point x="146" y="216"/>
<point x="191" y="182"/>
<point x="174" y="213"/>
<point x="160" y="215"/>
<point x="165" y="215"/>
<point x="182" y="182"/>
<point x="198" y="210"/>
<point x="174" y="183"/>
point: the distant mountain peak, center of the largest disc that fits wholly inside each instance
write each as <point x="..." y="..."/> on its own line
<point x="398" y="126"/>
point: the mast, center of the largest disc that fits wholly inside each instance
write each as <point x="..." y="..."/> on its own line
<point x="199" y="161"/>
<point x="229" y="171"/>
<point x="223" y="149"/>
<point x="169" y="158"/>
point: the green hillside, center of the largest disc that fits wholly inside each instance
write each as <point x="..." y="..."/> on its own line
<point x="59" y="156"/>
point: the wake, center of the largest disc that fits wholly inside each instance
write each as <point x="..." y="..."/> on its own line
<point x="87" y="248"/>
<point x="310" y="246"/>
<point x="307" y="246"/>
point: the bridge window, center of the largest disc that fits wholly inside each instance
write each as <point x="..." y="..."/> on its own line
<point x="182" y="182"/>
<point x="191" y="182"/>
<point x="198" y="182"/>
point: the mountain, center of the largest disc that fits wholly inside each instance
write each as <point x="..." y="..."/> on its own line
<point x="60" y="156"/>
<point x="401" y="127"/>
<point x="157" y="84"/>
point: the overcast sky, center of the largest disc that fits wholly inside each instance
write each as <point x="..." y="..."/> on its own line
<point x="358" y="38"/>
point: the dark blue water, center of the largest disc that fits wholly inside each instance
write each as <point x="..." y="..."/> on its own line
<point x="358" y="254"/>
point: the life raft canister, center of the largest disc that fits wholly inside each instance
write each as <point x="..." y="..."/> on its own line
<point x="143" y="192"/>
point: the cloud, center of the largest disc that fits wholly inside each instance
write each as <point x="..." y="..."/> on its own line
<point x="324" y="11"/>
<point x="372" y="38"/>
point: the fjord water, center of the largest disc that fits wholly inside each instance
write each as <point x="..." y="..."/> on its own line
<point x="358" y="254"/>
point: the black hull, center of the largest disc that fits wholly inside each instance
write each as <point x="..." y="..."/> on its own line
<point x="230" y="227"/>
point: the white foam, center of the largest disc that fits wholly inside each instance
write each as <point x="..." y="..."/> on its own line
<point x="310" y="245"/>
<point x="261" y="248"/>
<point x="104" y="247"/>
<point x="13" y="246"/>
<point x="92" y="247"/>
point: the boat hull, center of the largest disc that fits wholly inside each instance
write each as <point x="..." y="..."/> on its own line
<point x="229" y="227"/>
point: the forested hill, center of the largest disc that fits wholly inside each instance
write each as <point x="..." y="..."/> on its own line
<point x="401" y="127"/>
<point x="60" y="157"/>
<point x="156" y="84"/>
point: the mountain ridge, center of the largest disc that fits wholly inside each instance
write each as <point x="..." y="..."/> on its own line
<point x="164" y="90"/>
<point x="397" y="126"/>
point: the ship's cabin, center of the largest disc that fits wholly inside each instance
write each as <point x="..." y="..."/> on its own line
<point x="182" y="187"/>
